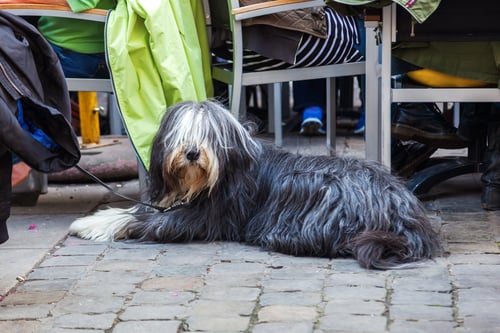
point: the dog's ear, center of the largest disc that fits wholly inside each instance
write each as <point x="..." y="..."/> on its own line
<point x="251" y="127"/>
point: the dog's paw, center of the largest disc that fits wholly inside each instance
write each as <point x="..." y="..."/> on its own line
<point x="101" y="226"/>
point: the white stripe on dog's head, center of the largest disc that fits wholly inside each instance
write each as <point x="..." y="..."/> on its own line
<point x="195" y="145"/>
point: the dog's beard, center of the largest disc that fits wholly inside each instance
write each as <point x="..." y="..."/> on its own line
<point x="187" y="177"/>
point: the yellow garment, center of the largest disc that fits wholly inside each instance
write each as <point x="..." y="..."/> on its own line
<point x="434" y="79"/>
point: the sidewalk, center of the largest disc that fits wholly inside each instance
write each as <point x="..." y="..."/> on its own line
<point x="56" y="284"/>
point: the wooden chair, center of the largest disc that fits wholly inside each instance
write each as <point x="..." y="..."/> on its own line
<point x="228" y="14"/>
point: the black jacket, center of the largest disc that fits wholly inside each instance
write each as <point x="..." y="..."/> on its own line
<point x="31" y="79"/>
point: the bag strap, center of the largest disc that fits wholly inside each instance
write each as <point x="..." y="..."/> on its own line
<point x="175" y="205"/>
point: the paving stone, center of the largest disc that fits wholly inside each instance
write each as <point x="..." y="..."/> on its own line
<point x="230" y="293"/>
<point x="478" y="308"/>
<point x="88" y="304"/>
<point x="180" y="283"/>
<point x="290" y="298"/>
<point x="33" y="297"/>
<point x="474" y="258"/>
<point x="293" y="285"/>
<point x="295" y="327"/>
<point x="162" y="297"/>
<point x="143" y="252"/>
<point x="19" y="326"/>
<point x="482" y="324"/>
<point x="154" y="312"/>
<point x="160" y="326"/>
<point x="300" y="272"/>
<point x="347" y="266"/>
<point x="228" y="281"/>
<point x="353" y="323"/>
<point x="221" y="308"/>
<point x="273" y="313"/>
<point x="357" y="280"/>
<point x="58" y="260"/>
<point x="420" y="312"/>
<point x="182" y="270"/>
<point x="90" y="248"/>
<point x="97" y="277"/>
<point x="102" y="321"/>
<point x="25" y="312"/>
<point x="113" y="265"/>
<point x="421" y="298"/>
<point x="356" y="293"/>
<point x="238" y="268"/>
<point x="479" y="294"/>
<point x="472" y="281"/>
<point x="438" y="284"/>
<point x="355" y="307"/>
<point x="423" y="326"/>
<point x="217" y="324"/>
<point x="109" y="288"/>
<point x="484" y="270"/>
<point x="51" y="273"/>
<point x="47" y="285"/>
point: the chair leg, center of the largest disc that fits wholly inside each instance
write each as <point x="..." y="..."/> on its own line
<point x="275" y="111"/>
<point x="236" y="103"/>
<point x="331" y="114"/>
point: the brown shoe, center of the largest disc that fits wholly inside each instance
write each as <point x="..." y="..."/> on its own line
<point x="408" y="156"/>
<point x="423" y="122"/>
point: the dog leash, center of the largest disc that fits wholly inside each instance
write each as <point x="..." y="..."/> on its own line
<point x="175" y="205"/>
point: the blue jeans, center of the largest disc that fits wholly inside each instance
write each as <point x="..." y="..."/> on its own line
<point x="80" y="65"/>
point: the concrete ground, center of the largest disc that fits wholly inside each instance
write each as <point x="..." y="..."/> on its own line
<point x="53" y="283"/>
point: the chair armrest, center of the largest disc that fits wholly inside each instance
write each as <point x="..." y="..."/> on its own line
<point x="54" y="8"/>
<point x="271" y="7"/>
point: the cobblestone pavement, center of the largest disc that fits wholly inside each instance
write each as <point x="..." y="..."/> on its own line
<point x="81" y="286"/>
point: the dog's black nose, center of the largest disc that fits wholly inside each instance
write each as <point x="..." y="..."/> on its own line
<point x="192" y="154"/>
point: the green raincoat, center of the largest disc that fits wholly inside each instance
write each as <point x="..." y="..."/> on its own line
<point x="419" y="9"/>
<point x="158" y="55"/>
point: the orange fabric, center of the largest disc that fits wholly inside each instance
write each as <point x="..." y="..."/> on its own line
<point x="20" y="171"/>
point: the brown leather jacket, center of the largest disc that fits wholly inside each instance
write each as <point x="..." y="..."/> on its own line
<point x="308" y="20"/>
<point x="285" y="29"/>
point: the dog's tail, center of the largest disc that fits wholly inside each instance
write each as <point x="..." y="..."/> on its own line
<point x="377" y="249"/>
<point x="104" y="225"/>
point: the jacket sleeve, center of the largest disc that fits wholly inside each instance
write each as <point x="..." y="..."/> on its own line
<point x="82" y="5"/>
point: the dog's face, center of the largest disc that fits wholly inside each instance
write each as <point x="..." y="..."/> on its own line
<point x="188" y="170"/>
<point x="197" y="145"/>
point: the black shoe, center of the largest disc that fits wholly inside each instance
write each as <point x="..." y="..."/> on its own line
<point x="490" y="197"/>
<point x="408" y="156"/>
<point x="4" y="233"/>
<point x="424" y="123"/>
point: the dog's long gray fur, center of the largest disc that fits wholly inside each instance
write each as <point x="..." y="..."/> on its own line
<point x="300" y="205"/>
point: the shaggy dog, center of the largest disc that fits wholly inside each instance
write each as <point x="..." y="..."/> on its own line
<point x="224" y="185"/>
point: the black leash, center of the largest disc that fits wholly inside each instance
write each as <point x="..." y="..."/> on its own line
<point x="158" y="208"/>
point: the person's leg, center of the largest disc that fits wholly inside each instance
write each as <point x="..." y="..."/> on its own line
<point x="79" y="65"/>
<point x="309" y="93"/>
<point x="5" y="192"/>
<point x="309" y="98"/>
<point x="360" y="125"/>
<point x="490" y="197"/>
